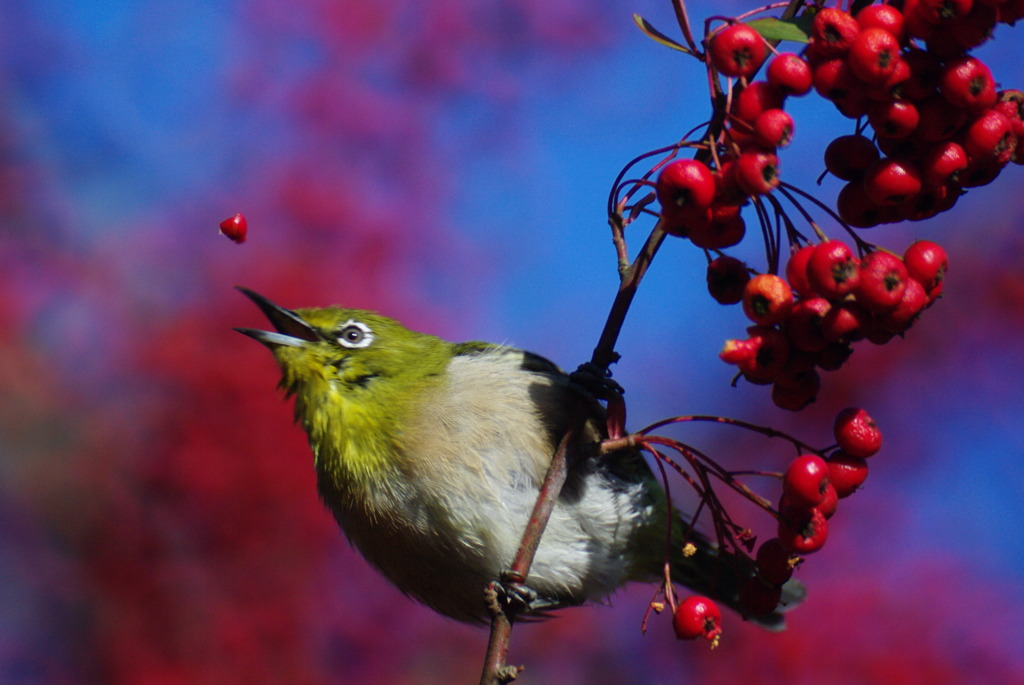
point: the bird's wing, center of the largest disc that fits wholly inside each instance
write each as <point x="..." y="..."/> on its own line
<point x="528" y="360"/>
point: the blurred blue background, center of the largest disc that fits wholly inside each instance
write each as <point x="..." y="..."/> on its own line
<point x="446" y="163"/>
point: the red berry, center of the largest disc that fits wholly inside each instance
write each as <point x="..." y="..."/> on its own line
<point x="915" y="22"/>
<point x="774" y="562"/>
<point x="939" y="11"/>
<point x="803" y="531"/>
<point x="737" y="50"/>
<point x="757" y="598"/>
<point x="1010" y="11"/>
<point x="796" y="271"/>
<point x="883" y="278"/>
<point x="767" y="299"/>
<point x="790" y="74"/>
<point x="740" y="352"/>
<point x="835" y="81"/>
<point x="857" y="433"/>
<point x="848" y="157"/>
<point x="892" y="87"/>
<point x="805" y="480"/>
<point x="942" y="163"/>
<point x="830" y="503"/>
<point x="878" y="334"/>
<point x="906" y="149"/>
<point x="757" y="171"/>
<point x="685" y="189"/>
<point x="684" y="183"/>
<point x="723" y="212"/>
<point x="756" y="98"/>
<point x="832" y="33"/>
<point x="859" y="210"/>
<point x="914" y="300"/>
<point x="979" y="173"/>
<point x="834" y="356"/>
<point x="761" y="357"/>
<point x="884" y="17"/>
<point x="924" y="74"/>
<point x="873" y="55"/>
<point x="990" y="138"/>
<point x="718" y="234"/>
<point x="727" y="276"/>
<point x="847" y="320"/>
<point x="966" y="82"/>
<point x="832" y="269"/>
<point x="846" y="473"/>
<point x="969" y="32"/>
<point x="893" y="118"/>
<point x="1010" y="103"/>
<point x="794" y="390"/>
<point x="727" y="193"/>
<point x="697" y="616"/>
<point x="891" y="181"/>
<point x="926" y="263"/>
<point x="927" y="203"/>
<point x="803" y="326"/>
<point x="773" y="128"/>
<point x="938" y="119"/>
<point x="235" y="228"/>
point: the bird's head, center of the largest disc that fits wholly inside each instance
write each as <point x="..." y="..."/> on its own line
<point x="353" y="372"/>
<point x="347" y="349"/>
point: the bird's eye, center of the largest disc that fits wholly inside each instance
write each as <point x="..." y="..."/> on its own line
<point x="354" y="334"/>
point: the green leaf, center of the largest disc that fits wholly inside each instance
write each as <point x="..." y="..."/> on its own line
<point x="797" y="30"/>
<point x="656" y="35"/>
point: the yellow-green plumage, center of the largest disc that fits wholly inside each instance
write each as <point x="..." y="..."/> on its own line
<point x="352" y="405"/>
<point x="430" y="455"/>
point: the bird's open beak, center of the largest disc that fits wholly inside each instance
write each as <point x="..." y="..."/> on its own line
<point x="292" y="329"/>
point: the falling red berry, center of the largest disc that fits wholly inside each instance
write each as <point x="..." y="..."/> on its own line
<point x="235" y="228"/>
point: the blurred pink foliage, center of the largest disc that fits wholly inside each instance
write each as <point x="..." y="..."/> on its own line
<point x="158" y="513"/>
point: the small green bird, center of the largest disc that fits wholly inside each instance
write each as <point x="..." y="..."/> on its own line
<point x="430" y="455"/>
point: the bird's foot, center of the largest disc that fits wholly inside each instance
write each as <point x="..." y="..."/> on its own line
<point x="596" y="380"/>
<point x="518" y="600"/>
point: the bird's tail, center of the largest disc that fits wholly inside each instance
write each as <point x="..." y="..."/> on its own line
<point x="702" y="566"/>
<point x="707" y="570"/>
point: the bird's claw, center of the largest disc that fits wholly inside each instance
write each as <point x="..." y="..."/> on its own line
<point x="517" y="599"/>
<point x="514" y="597"/>
<point x="596" y="380"/>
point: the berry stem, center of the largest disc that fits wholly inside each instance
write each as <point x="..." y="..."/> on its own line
<point x="684" y="25"/>
<point x="763" y="430"/>
<point x="604" y="353"/>
<point x="862" y="245"/>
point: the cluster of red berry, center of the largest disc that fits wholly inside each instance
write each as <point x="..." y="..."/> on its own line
<point x="703" y="203"/>
<point x="828" y="300"/>
<point x="940" y="125"/>
<point x="812" y="486"/>
<point x="930" y="124"/>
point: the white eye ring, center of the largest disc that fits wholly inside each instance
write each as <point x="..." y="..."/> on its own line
<point x="354" y="334"/>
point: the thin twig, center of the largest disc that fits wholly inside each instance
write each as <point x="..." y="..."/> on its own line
<point x="495" y="670"/>
<point x="604" y="353"/>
